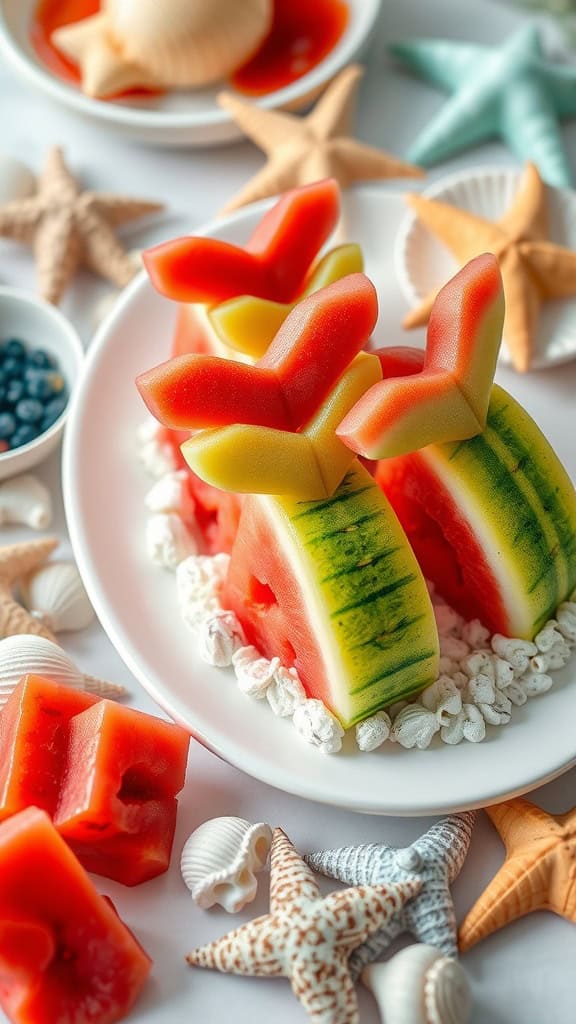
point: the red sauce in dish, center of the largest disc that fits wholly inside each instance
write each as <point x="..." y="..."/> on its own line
<point x="303" y="33"/>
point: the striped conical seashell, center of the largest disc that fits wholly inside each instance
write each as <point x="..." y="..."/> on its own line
<point x="420" y="986"/>
<point x="219" y="861"/>
<point x="355" y="865"/>
<point x="25" y="653"/>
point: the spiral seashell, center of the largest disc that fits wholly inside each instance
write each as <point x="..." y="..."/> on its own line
<point x="25" y="653"/>
<point x="420" y="986"/>
<point x="219" y="860"/>
<point x="188" y="44"/>
<point x="55" y="595"/>
<point x="25" y="500"/>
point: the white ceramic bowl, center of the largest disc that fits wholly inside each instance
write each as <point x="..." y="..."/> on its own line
<point x="178" y="118"/>
<point x="39" y="325"/>
<point x="423" y="263"/>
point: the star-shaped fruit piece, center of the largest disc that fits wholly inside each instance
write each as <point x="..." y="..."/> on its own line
<point x="538" y="873"/>
<point x="511" y="91"/>
<point x="307" y="937"/>
<point x="448" y="400"/>
<point x="314" y="346"/>
<point x="304" y="149"/>
<point x="69" y="228"/>
<point x="534" y="270"/>
<point x="435" y="859"/>
<point x="17" y="561"/>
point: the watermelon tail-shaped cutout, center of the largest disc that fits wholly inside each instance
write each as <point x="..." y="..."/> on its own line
<point x="333" y="588"/>
<point x="492" y="519"/>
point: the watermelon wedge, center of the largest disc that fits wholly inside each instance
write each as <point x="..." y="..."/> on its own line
<point x="492" y="520"/>
<point x="333" y="588"/>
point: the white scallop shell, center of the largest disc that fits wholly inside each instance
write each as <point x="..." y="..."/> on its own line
<point x="25" y="500"/>
<point x="188" y="44"/>
<point x="420" y="986"/>
<point x="219" y="860"/>
<point x="55" y="595"/>
<point x="25" y="653"/>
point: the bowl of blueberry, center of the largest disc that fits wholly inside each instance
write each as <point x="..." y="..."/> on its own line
<point x="40" y="360"/>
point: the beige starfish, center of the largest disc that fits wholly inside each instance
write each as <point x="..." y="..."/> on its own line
<point x="539" y="872"/>
<point x="301" y="150"/>
<point x="533" y="268"/>
<point x="307" y="937"/>
<point x="69" y="228"/>
<point x="16" y="561"/>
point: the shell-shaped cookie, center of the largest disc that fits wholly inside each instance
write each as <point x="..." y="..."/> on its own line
<point x="56" y="596"/>
<point x="188" y="44"/>
<point x="25" y="653"/>
<point x="25" y="500"/>
<point x="219" y="861"/>
<point x="420" y="986"/>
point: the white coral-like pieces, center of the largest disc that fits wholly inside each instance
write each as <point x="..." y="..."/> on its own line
<point x="415" y="726"/>
<point x="168" y="542"/>
<point x="157" y="456"/>
<point x="468" y="724"/>
<point x="219" y="637"/>
<point x="318" y="726"/>
<point x="199" y="581"/>
<point x="373" y="731"/>
<point x="254" y="673"/>
<point x="285" y="692"/>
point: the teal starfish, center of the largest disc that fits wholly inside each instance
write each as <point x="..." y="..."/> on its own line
<point x="510" y="91"/>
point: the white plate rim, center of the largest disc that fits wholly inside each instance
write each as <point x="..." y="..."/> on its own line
<point x="556" y="765"/>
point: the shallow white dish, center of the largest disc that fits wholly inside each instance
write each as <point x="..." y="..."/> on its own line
<point x="423" y="263"/>
<point x="136" y="602"/>
<point x="39" y="325"/>
<point x="178" y="118"/>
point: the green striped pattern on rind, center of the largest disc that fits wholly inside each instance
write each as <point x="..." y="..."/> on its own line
<point x="514" y="489"/>
<point x="372" y="613"/>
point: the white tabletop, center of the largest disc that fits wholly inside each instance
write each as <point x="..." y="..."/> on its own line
<point x="523" y="974"/>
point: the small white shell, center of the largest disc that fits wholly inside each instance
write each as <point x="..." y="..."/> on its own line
<point x="219" y="860"/>
<point x="25" y="653"/>
<point x="55" y="595"/>
<point x="188" y="44"/>
<point x="420" y="986"/>
<point x="23" y="499"/>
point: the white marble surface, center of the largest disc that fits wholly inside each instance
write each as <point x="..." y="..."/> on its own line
<point x="525" y="973"/>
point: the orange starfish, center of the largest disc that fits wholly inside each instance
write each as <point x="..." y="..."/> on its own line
<point x="539" y="872"/>
<point x="534" y="269"/>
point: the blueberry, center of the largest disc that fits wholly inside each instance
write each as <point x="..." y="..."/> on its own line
<point x="12" y="367"/>
<point x="53" y="410"/>
<point x="41" y="359"/>
<point x="13" y="391"/>
<point x="29" y="410"/>
<point x="14" y="347"/>
<point x="7" y="425"/>
<point x="25" y="433"/>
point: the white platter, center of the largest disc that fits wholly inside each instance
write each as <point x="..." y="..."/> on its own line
<point x="177" y="118"/>
<point x="104" y="488"/>
<point x="423" y="263"/>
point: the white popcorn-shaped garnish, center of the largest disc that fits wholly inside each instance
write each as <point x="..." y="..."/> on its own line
<point x="318" y="726"/>
<point x="448" y="622"/>
<point x="219" y="637"/>
<point x="551" y="660"/>
<point x="168" y="542"/>
<point x="446" y="666"/>
<point x="443" y="698"/>
<point x="373" y="731"/>
<point x="535" y="683"/>
<point x="414" y="726"/>
<point x="503" y="672"/>
<point x="468" y="725"/>
<point x="157" y="457"/>
<point x="452" y="647"/>
<point x="475" y="634"/>
<point x="499" y="711"/>
<point x="199" y="582"/>
<point x="516" y="693"/>
<point x="548" y="637"/>
<point x="481" y="689"/>
<point x="517" y="652"/>
<point x="285" y="692"/>
<point x="253" y="672"/>
<point x="566" y="617"/>
<point x="170" y="494"/>
<point x="478" y="663"/>
<point x="460" y="679"/>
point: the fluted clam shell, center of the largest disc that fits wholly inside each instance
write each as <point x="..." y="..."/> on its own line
<point x="56" y="596"/>
<point x="25" y="653"/>
<point x="24" y="499"/>
<point x="420" y="986"/>
<point x="188" y="44"/>
<point x="220" y="858"/>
